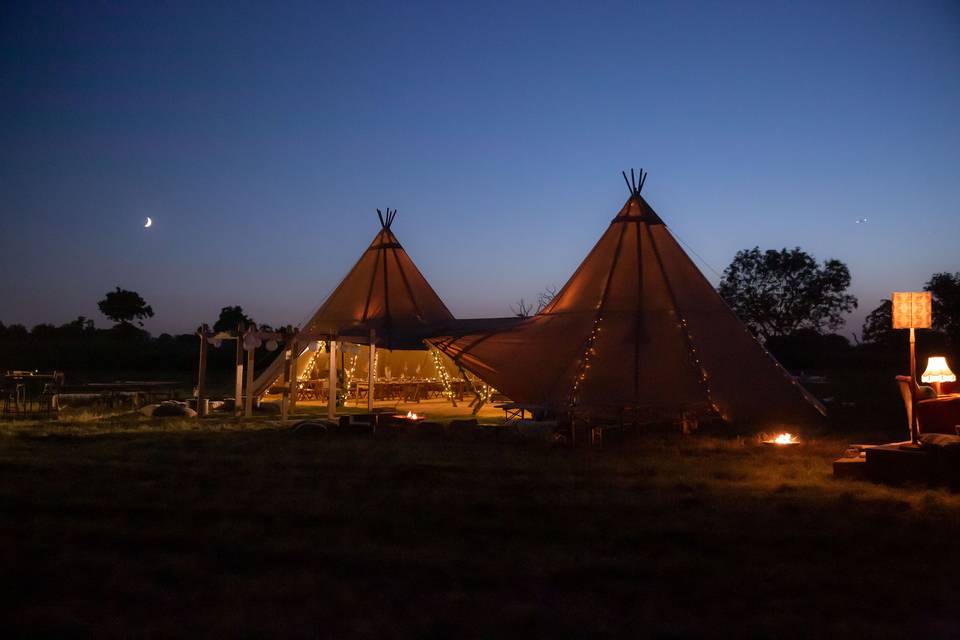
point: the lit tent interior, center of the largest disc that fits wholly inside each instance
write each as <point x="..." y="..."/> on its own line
<point x="637" y="331"/>
<point x="385" y="299"/>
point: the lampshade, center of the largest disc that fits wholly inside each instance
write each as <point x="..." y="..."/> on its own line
<point x="912" y="310"/>
<point x="938" y="371"/>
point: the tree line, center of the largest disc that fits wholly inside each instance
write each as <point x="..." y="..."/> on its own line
<point x="789" y="301"/>
<point x="80" y="346"/>
<point x="796" y="305"/>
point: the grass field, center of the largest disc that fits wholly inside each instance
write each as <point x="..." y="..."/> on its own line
<point x="210" y="528"/>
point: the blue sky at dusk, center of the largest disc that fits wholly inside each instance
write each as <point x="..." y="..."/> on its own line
<point x="260" y="138"/>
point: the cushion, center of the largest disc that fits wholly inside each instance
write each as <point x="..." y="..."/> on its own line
<point x="941" y="440"/>
<point x="926" y="393"/>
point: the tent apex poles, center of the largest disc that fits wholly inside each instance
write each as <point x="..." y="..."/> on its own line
<point x="386" y="219"/>
<point x="635" y="182"/>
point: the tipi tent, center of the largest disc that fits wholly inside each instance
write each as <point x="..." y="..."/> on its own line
<point x="637" y="329"/>
<point x="384" y="297"/>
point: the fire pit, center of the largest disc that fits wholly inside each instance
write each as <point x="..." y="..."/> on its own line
<point x="409" y="418"/>
<point x="780" y="440"/>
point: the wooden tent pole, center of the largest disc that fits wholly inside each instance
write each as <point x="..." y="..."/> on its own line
<point x="371" y="369"/>
<point x="285" y="384"/>
<point x="238" y="378"/>
<point x="294" y="382"/>
<point x="332" y="391"/>
<point x="248" y="407"/>
<point x="202" y="375"/>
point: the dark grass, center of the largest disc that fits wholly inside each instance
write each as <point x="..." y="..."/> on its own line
<point x="273" y="533"/>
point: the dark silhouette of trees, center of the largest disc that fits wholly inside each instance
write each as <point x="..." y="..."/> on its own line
<point x="945" y="288"/>
<point x="878" y="327"/>
<point x="123" y="307"/>
<point x="522" y="309"/>
<point x="230" y="317"/>
<point x="776" y="293"/>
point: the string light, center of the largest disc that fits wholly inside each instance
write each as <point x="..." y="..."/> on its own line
<point x="352" y="367"/>
<point x="312" y="364"/>
<point x="589" y="350"/>
<point x="442" y="373"/>
<point x="704" y="378"/>
<point x="488" y="392"/>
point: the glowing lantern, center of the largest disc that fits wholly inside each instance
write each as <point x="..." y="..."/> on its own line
<point x="937" y="371"/>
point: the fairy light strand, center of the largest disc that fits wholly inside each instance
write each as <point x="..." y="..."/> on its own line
<point x="587" y="355"/>
<point x="312" y="364"/>
<point x="442" y="373"/>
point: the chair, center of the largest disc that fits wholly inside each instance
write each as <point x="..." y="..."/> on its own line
<point x="307" y="390"/>
<point x="909" y="394"/>
<point x="50" y="393"/>
<point x="11" y="397"/>
<point x="411" y="392"/>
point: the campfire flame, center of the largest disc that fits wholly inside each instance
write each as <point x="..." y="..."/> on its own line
<point x="785" y="438"/>
<point x="412" y="416"/>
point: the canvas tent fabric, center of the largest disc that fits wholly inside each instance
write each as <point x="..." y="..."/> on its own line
<point x="383" y="292"/>
<point x="639" y="330"/>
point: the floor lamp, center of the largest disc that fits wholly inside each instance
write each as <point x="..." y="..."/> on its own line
<point x="912" y="310"/>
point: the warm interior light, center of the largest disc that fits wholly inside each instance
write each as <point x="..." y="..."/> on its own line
<point x="937" y="371"/>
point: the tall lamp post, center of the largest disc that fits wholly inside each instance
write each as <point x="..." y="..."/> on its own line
<point x="912" y="310"/>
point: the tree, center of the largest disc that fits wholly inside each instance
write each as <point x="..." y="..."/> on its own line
<point x="776" y="293"/>
<point x="878" y="327"/>
<point x="124" y="306"/>
<point x="230" y="318"/>
<point x="945" y="288"/>
<point x="523" y="310"/>
<point x="79" y="326"/>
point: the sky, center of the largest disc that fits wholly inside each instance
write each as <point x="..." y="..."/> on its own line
<point x="261" y="137"/>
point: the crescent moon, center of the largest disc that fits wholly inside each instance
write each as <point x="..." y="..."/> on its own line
<point x="149" y="222"/>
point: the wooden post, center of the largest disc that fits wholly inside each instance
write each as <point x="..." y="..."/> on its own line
<point x="202" y="374"/>
<point x="332" y="391"/>
<point x="285" y="384"/>
<point x="248" y="407"/>
<point x="294" y="375"/>
<point x="372" y="370"/>
<point x="238" y="381"/>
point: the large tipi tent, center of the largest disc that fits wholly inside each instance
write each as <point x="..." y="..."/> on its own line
<point x="384" y="296"/>
<point x="637" y="329"/>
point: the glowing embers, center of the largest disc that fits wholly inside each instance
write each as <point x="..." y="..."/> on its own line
<point x="780" y="439"/>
